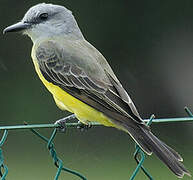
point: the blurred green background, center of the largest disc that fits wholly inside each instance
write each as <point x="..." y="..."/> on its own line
<point x="149" y="44"/>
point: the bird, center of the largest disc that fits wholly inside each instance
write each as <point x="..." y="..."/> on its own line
<point x="81" y="80"/>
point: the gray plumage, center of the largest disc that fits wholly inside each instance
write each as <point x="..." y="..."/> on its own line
<point x="60" y="21"/>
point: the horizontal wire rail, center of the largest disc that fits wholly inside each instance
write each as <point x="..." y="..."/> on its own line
<point x="139" y="155"/>
<point x="75" y="125"/>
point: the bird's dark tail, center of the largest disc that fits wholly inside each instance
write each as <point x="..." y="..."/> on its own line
<point x="151" y="144"/>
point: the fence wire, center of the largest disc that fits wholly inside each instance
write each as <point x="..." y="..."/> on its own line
<point x="139" y="155"/>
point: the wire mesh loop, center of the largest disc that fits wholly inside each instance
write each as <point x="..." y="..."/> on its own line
<point x="3" y="167"/>
<point x="57" y="161"/>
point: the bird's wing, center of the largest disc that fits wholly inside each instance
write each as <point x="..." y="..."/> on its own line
<point x="73" y="69"/>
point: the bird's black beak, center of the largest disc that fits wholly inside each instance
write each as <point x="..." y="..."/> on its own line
<point x="20" y="26"/>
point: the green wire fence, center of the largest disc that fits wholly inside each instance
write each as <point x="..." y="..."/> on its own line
<point x="139" y="155"/>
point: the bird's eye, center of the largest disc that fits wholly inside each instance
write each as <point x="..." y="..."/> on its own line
<point x="43" y="16"/>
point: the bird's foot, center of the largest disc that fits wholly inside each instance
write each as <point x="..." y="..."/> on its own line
<point x="62" y="123"/>
<point x="84" y="127"/>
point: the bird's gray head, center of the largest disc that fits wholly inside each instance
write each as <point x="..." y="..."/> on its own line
<point x="47" y="20"/>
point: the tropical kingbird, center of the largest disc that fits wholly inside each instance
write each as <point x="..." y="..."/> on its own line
<point x="81" y="80"/>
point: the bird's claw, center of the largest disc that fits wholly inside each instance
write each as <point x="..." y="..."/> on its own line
<point x="84" y="127"/>
<point x="62" y="125"/>
<point x="62" y="122"/>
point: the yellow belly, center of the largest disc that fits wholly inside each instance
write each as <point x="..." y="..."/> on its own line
<point x="67" y="102"/>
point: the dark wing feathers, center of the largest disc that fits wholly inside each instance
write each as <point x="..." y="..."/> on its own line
<point x="124" y="96"/>
<point x="109" y="98"/>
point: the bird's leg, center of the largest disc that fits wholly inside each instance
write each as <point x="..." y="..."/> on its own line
<point x="83" y="126"/>
<point x="62" y="122"/>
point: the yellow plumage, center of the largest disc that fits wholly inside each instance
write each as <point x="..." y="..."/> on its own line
<point x="67" y="102"/>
